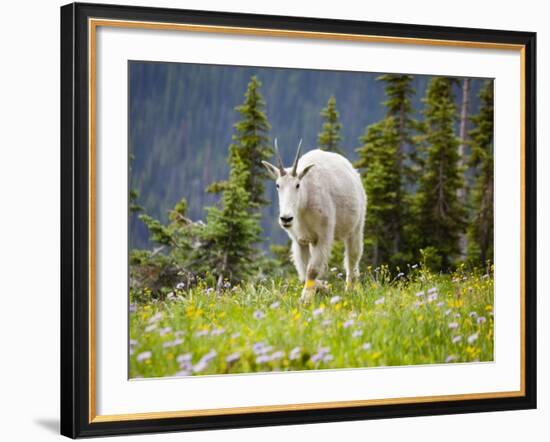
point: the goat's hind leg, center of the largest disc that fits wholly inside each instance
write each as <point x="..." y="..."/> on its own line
<point x="354" y="251"/>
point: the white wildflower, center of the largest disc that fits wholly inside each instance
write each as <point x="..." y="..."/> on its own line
<point x="295" y="353"/>
<point x="144" y="356"/>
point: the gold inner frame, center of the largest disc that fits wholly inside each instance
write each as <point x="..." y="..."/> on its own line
<point x="93" y="24"/>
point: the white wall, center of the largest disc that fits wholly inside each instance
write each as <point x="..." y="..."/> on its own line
<point x="29" y="220"/>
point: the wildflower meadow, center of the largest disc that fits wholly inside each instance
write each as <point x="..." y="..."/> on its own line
<point x="218" y="233"/>
<point x="424" y="318"/>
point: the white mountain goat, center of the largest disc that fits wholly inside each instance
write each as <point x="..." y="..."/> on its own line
<point x="321" y="199"/>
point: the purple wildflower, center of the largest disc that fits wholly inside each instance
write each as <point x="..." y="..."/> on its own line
<point x="258" y="314"/>
<point x="184" y="358"/>
<point x="209" y="356"/>
<point x="317" y="312"/>
<point x="200" y="366"/>
<point x="217" y="331"/>
<point x="155" y="318"/>
<point x="432" y="297"/>
<point x="275" y="356"/>
<point x="173" y="343"/>
<point x="150" y="328"/>
<point x="233" y="357"/>
<point x="262" y="359"/>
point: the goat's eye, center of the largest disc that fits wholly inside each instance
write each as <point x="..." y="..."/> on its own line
<point x="277" y="186"/>
<point x="298" y="186"/>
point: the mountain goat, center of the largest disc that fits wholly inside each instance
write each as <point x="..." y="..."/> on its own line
<point x="321" y="199"/>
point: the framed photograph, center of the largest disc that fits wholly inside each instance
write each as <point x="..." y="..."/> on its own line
<point x="274" y="220"/>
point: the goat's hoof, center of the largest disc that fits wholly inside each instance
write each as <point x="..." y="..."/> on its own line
<point x="352" y="285"/>
<point x="307" y="295"/>
<point x="322" y="285"/>
<point x="309" y="290"/>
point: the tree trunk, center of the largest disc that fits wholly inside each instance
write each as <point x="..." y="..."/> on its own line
<point x="463" y="134"/>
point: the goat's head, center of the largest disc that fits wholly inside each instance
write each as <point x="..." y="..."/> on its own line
<point x="288" y="186"/>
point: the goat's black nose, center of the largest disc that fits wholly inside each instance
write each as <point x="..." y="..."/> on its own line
<point x="286" y="219"/>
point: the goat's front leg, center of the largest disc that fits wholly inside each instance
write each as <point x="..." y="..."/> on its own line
<point x="300" y="257"/>
<point x="319" y="256"/>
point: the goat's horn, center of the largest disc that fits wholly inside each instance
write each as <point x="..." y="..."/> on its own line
<point x="279" y="160"/>
<point x="295" y="164"/>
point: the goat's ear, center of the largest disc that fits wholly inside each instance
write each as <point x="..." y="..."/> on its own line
<point x="305" y="170"/>
<point x="273" y="171"/>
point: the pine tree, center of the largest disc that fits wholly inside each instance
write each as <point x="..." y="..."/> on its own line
<point x="387" y="158"/>
<point x="480" y="228"/>
<point x="329" y="138"/>
<point x="440" y="216"/>
<point x="228" y="238"/>
<point x="379" y="157"/>
<point x="399" y="91"/>
<point x="250" y="144"/>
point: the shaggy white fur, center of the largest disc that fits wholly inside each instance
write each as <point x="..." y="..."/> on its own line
<point x="321" y="199"/>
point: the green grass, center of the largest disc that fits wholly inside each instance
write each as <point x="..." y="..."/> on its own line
<point x="378" y="323"/>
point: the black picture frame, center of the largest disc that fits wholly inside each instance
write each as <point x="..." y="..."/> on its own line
<point x="75" y="221"/>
